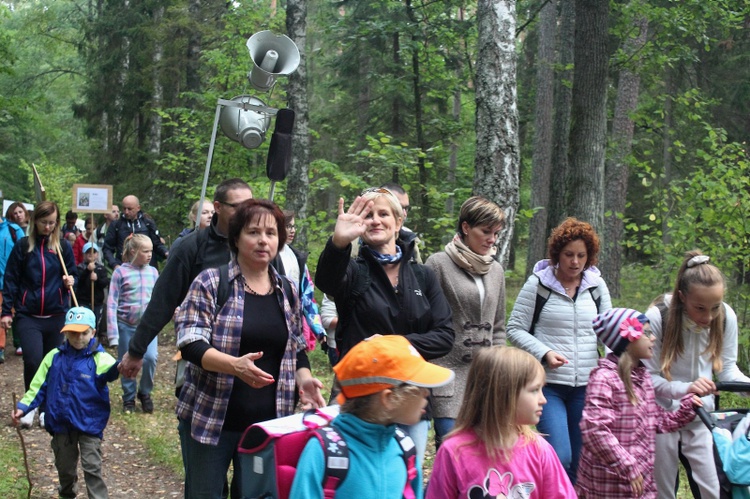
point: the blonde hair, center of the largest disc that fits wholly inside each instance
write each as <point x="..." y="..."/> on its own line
<point x="42" y="210"/>
<point x="625" y="370"/>
<point x="132" y="246"/>
<point x="374" y="193"/>
<point x="369" y="408"/>
<point x="496" y="377"/>
<point x="673" y="345"/>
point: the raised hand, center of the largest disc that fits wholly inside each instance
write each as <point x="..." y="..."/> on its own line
<point x="353" y="223"/>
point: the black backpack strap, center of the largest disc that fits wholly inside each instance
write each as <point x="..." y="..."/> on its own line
<point x="222" y="291"/>
<point x="419" y="273"/>
<point x="409" y="455"/>
<point x="336" y="459"/>
<point x="542" y="295"/>
<point x="596" y="294"/>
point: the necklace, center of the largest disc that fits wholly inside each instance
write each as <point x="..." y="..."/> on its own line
<point x="253" y="292"/>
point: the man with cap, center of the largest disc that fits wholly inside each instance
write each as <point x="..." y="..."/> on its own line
<point x="93" y="280"/>
<point x="384" y="382"/>
<point x="76" y="413"/>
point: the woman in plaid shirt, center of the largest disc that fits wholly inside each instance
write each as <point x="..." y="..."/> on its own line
<point x="246" y="359"/>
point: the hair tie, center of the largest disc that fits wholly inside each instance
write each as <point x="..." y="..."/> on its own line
<point x="697" y="260"/>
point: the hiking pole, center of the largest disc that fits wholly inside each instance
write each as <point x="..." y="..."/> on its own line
<point x="23" y="446"/>
<point x="65" y="271"/>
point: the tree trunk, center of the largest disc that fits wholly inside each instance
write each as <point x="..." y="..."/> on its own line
<point x="541" y="163"/>
<point x="422" y="199"/>
<point x="154" y="135"/>
<point x="194" y="41"/>
<point x="560" y="183"/>
<point x="588" y="137"/>
<point x="297" y="181"/>
<point x="497" y="157"/>
<point x="667" y="152"/>
<point x="616" y="173"/>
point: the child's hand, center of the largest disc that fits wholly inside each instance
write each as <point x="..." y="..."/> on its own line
<point x="636" y="486"/>
<point x="93" y="276"/>
<point x="702" y="386"/>
<point x="697" y="401"/>
<point x="554" y="359"/>
<point x="16" y="416"/>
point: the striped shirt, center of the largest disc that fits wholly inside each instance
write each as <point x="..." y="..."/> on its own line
<point x="129" y="293"/>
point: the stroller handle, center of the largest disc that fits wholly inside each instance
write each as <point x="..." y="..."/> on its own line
<point x="707" y="419"/>
<point x="732" y="386"/>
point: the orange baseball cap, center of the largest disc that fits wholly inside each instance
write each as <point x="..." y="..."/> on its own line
<point x="384" y="362"/>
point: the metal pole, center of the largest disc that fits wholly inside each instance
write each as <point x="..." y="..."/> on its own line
<point x="210" y="156"/>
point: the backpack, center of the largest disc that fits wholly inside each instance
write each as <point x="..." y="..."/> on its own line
<point x="542" y="295"/>
<point x="269" y="453"/>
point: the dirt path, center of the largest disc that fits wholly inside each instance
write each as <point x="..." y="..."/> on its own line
<point x="126" y="468"/>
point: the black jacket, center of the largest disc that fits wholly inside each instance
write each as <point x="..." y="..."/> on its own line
<point x="199" y="250"/>
<point x="423" y="316"/>
<point x="121" y="228"/>
<point x="83" y="287"/>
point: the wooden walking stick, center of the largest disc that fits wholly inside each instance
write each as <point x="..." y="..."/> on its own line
<point x="65" y="271"/>
<point x="23" y="446"/>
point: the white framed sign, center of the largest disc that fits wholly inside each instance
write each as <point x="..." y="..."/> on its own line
<point x="89" y="198"/>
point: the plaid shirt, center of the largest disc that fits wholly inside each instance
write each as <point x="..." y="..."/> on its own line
<point x="205" y="395"/>
<point x="618" y="437"/>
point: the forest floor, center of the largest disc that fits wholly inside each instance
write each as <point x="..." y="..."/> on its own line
<point x="129" y="467"/>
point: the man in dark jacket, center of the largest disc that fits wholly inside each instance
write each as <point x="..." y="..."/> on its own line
<point x="201" y="249"/>
<point x="132" y="221"/>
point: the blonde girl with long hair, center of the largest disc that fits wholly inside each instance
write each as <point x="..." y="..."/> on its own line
<point x="697" y="341"/>
<point x="621" y="417"/>
<point x="129" y="293"/>
<point x="37" y="288"/>
<point x="493" y="450"/>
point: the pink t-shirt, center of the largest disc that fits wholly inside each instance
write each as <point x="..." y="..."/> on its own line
<point x="463" y="470"/>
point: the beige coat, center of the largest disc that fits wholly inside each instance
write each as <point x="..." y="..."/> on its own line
<point x="476" y="324"/>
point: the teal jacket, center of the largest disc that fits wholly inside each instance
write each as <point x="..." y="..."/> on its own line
<point x="376" y="464"/>
<point x="74" y="385"/>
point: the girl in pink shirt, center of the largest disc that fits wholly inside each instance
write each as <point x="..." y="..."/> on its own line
<point x="493" y="452"/>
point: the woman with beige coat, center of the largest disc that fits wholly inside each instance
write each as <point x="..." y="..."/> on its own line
<point x="474" y="284"/>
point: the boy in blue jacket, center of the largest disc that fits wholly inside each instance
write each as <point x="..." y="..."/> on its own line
<point x="73" y="380"/>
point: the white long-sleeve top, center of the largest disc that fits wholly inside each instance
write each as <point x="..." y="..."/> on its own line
<point x="694" y="362"/>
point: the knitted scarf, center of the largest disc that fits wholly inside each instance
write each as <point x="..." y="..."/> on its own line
<point x="466" y="259"/>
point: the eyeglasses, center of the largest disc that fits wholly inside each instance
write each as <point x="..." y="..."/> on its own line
<point x="231" y="205"/>
<point x="291" y="227"/>
<point x="406" y="208"/>
<point x="45" y="223"/>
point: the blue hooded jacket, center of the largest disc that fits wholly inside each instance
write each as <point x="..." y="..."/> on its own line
<point x="74" y="385"/>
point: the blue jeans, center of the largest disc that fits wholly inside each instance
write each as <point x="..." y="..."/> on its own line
<point x="442" y="427"/>
<point x="559" y="423"/>
<point x="206" y="465"/>
<point x="149" y="364"/>
<point x="418" y="433"/>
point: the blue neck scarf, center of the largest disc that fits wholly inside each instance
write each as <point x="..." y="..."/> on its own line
<point x="386" y="259"/>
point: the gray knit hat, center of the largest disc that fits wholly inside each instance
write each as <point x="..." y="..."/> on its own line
<point x="615" y="326"/>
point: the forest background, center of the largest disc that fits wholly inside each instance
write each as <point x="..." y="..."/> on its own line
<point x="632" y="115"/>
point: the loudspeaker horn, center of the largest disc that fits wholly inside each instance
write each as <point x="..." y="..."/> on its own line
<point x="272" y="55"/>
<point x="246" y="126"/>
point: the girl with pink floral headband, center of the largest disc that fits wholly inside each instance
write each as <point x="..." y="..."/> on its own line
<point x="621" y="417"/>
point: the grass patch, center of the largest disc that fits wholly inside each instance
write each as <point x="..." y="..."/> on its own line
<point x="13" y="482"/>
